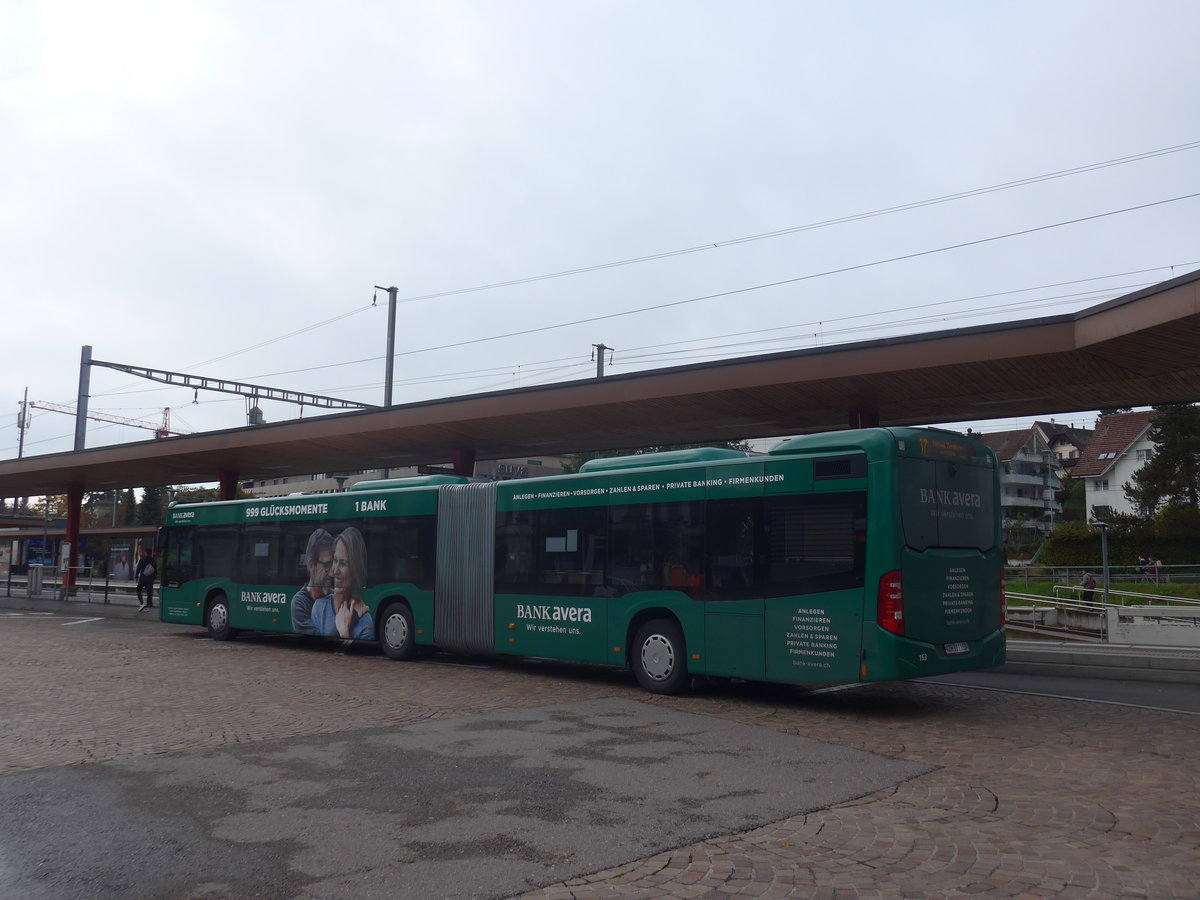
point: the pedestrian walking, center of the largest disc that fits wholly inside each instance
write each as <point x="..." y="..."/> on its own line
<point x="144" y="573"/>
<point x="1089" y="586"/>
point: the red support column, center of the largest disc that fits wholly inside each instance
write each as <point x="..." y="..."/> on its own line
<point x="863" y="417"/>
<point x="464" y="461"/>
<point x="229" y="485"/>
<point x="74" y="516"/>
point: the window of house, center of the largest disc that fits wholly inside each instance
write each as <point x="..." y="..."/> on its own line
<point x="1101" y="484"/>
<point x="1145" y="455"/>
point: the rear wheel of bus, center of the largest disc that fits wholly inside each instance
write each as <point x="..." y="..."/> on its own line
<point x="396" y="634"/>
<point x="660" y="657"/>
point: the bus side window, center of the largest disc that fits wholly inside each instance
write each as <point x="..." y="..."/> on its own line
<point x="570" y="549"/>
<point x="733" y="541"/>
<point x="216" y="551"/>
<point x="514" y="556"/>
<point x="177" y="555"/>
<point x="410" y="545"/>
<point x="817" y="542"/>
<point x="657" y="546"/>
<point x="260" y="556"/>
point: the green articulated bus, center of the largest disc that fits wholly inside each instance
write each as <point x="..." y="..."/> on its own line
<point x="865" y="555"/>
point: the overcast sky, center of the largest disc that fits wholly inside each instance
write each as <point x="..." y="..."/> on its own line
<point x="216" y="187"/>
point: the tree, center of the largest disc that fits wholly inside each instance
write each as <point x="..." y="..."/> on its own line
<point x="55" y="506"/>
<point x="153" y="504"/>
<point x="1072" y="499"/>
<point x="128" y="508"/>
<point x="97" y="509"/>
<point x="1171" y="477"/>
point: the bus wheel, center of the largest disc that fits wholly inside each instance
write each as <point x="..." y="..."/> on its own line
<point x="217" y="619"/>
<point x="396" y="634"/>
<point x="660" y="657"/>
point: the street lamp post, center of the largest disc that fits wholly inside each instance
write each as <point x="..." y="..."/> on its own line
<point x="1103" y="526"/>
<point x="45" y="527"/>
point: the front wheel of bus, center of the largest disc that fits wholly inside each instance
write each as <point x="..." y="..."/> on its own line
<point x="396" y="635"/>
<point x="217" y="619"/>
<point x="660" y="657"/>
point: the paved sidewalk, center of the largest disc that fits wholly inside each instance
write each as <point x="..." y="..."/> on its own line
<point x="1025" y="796"/>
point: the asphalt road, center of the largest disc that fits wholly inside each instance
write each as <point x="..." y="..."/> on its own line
<point x="484" y="806"/>
<point x="1175" y="697"/>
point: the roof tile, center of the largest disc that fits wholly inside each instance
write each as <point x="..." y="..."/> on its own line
<point x="1114" y="434"/>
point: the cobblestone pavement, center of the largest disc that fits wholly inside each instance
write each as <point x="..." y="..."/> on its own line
<point x="1031" y="796"/>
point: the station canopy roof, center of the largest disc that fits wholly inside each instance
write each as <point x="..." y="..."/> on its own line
<point x="1137" y="350"/>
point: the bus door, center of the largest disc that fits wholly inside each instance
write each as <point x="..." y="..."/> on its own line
<point x="734" y="639"/>
<point x="550" y="597"/>
<point x="815" y="568"/>
<point x="786" y="576"/>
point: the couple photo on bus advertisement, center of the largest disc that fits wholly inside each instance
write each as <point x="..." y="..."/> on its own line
<point x="330" y="604"/>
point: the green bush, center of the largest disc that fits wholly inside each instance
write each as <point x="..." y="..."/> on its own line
<point x="1172" y="536"/>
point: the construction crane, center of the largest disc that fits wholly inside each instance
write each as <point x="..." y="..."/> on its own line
<point x="160" y="431"/>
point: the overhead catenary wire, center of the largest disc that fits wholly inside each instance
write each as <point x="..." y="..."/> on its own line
<point x="745" y="239"/>
<point x="657" y="350"/>
<point x="794" y="229"/>
<point x="800" y="278"/>
<point x="631" y="353"/>
<point x="1063" y="173"/>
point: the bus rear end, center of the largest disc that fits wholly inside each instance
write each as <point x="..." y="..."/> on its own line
<point x="940" y="605"/>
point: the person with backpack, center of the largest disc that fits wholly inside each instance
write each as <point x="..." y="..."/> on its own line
<point x="144" y="574"/>
<point x="1089" y="586"/>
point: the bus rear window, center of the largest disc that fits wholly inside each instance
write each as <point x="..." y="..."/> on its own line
<point x="947" y="504"/>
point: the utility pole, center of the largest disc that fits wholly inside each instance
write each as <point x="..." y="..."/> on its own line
<point x="81" y="404"/>
<point x="1103" y="526"/>
<point x="598" y="355"/>
<point x="391" y="344"/>
<point x="389" y="367"/>
<point x="22" y="424"/>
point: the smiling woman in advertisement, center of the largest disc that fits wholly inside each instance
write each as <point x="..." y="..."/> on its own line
<point x="342" y="613"/>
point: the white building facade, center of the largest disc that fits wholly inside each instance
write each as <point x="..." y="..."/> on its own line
<point x="1120" y="447"/>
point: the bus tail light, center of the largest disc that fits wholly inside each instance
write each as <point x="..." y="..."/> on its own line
<point x="890" y="610"/>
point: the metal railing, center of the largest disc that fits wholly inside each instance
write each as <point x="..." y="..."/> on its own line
<point x="1188" y="573"/>
<point x="1073" y="611"/>
<point x="47" y="582"/>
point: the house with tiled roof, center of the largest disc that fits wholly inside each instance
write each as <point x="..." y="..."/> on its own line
<point x="1118" y="448"/>
<point x="1029" y="478"/>
<point x="1065" y="441"/>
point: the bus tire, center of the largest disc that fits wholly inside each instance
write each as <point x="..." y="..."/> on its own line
<point x="397" y="637"/>
<point x="216" y="617"/>
<point x="660" y="657"/>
